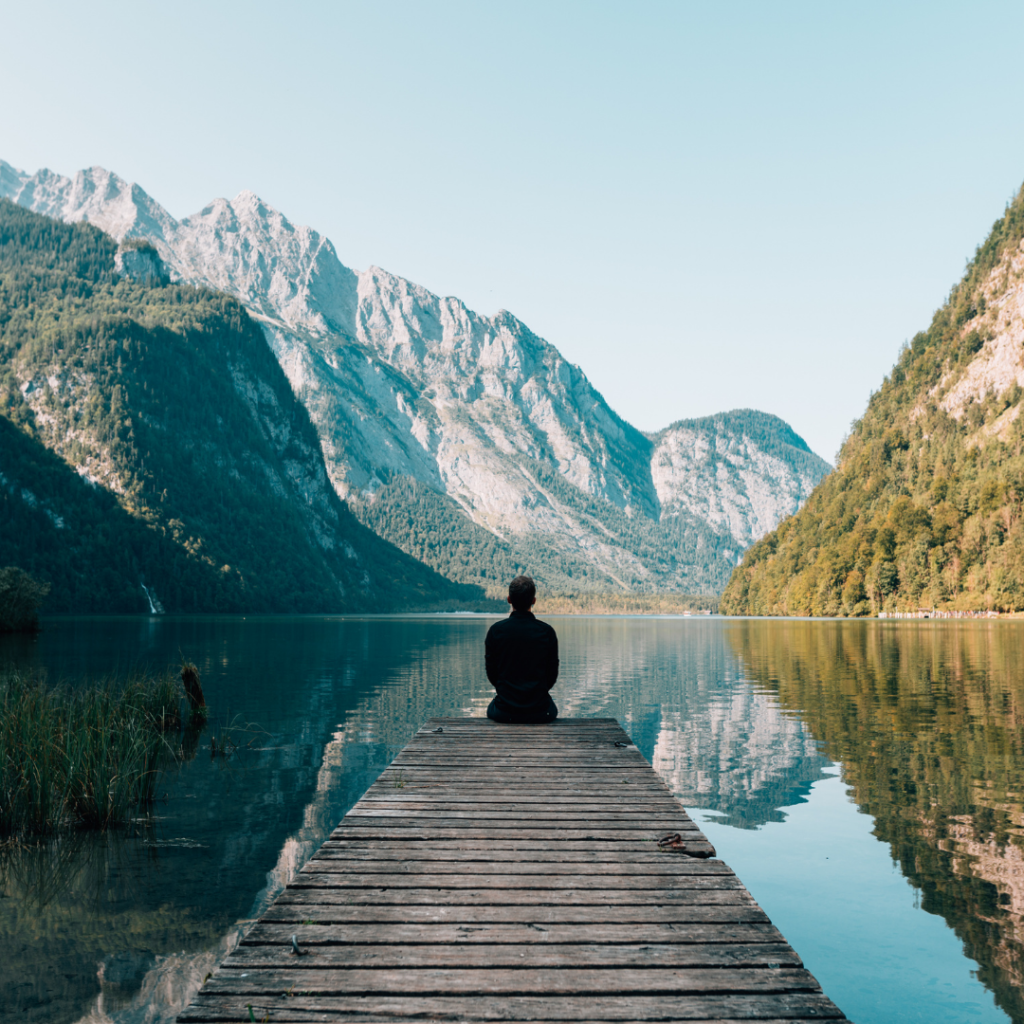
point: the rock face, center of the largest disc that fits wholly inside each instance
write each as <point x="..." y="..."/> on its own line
<point x="742" y="472"/>
<point x="496" y="433"/>
<point x="153" y="454"/>
<point x="140" y="263"/>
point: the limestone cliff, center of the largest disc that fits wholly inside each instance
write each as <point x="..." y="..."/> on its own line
<point x="499" y="438"/>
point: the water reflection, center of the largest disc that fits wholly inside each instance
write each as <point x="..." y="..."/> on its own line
<point x="124" y="928"/>
<point x="926" y="719"/>
<point x="740" y="718"/>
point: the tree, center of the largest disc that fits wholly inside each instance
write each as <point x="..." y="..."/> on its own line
<point x="20" y="597"/>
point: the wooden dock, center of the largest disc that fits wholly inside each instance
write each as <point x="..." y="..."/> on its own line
<point x="514" y="873"/>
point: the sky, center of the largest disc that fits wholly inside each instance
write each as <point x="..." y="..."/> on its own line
<point x="705" y="206"/>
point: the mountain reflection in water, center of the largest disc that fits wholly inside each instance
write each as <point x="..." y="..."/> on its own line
<point x="926" y="719"/>
<point x="124" y="927"/>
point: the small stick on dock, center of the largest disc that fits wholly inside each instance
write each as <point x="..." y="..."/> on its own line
<point x="515" y="873"/>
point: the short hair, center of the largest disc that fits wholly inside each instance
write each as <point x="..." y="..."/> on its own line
<point x="521" y="593"/>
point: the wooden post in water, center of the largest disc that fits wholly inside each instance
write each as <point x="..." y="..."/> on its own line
<point x="514" y="873"/>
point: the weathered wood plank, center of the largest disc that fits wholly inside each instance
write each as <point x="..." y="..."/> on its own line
<point x="397" y="880"/>
<point x="427" y="792"/>
<point x="617" y="790"/>
<point x="611" y="757"/>
<point x="758" y="932"/>
<point x="452" y="744"/>
<point x="556" y="860"/>
<point x="328" y="888"/>
<point x="472" y="981"/>
<point x="324" y="862"/>
<point x="599" y="834"/>
<point x="486" y="724"/>
<point x="689" y="908"/>
<point x="271" y="957"/>
<point x="550" y="823"/>
<point x="561" y="766"/>
<point x="708" y="1009"/>
<point x="621" y="795"/>
<point x="511" y="776"/>
<point x="506" y="849"/>
<point x="521" y="812"/>
<point x="511" y="849"/>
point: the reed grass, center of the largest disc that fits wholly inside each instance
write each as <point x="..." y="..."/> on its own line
<point x="87" y="756"/>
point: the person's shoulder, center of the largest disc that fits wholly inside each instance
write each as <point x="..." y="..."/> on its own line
<point x="498" y="627"/>
<point x="548" y="629"/>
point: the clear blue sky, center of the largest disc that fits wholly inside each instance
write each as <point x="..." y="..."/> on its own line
<point x="706" y="206"/>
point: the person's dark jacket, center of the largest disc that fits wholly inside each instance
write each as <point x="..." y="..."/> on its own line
<point x="521" y="658"/>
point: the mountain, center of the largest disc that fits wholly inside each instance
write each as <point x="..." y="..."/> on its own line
<point x="925" y="506"/>
<point x="152" y="453"/>
<point x="466" y="440"/>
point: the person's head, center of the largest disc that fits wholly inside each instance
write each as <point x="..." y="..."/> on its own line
<point x="522" y="593"/>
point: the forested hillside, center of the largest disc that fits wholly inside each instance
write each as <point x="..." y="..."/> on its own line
<point x="924" y="509"/>
<point x="681" y="556"/>
<point x="150" y="443"/>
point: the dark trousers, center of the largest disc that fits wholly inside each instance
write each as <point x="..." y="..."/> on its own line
<point x="498" y="712"/>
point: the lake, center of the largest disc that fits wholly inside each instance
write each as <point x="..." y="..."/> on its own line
<point x="863" y="778"/>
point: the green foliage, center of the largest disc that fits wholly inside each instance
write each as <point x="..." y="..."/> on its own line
<point x="85" y="757"/>
<point x="924" y="510"/>
<point x="138" y="244"/>
<point x="20" y="597"/>
<point x="170" y="396"/>
<point x="772" y="435"/>
<point x="625" y="604"/>
<point x="682" y="555"/>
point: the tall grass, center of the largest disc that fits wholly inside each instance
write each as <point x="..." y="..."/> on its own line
<point x="86" y="756"/>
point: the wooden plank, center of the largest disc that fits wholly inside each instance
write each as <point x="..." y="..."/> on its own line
<point x="622" y="794"/>
<point x="708" y="1009"/>
<point x="496" y="873"/>
<point x="552" y="767"/>
<point x="515" y="777"/>
<point x="549" y="822"/>
<point x="347" y="852"/>
<point x="516" y="935"/>
<point x="612" y="757"/>
<point x="537" y="766"/>
<point x="609" y="748"/>
<point x="719" y="907"/>
<point x="510" y="847"/>
<point x="523" y="812"/>
<point x="588" y="795"/>
<point x="482" y="724"/>
<point x="267" y="957"/>
<point x="494" y="819"/>
<point x="626" y="834"/>
<point x="326" y="888"/>
<point x="471" y="981"/>
<point x="617" y="790"/>
<point x="324" y="862"/>
<point x="319" y="870"/>
<point x="604" y="747"/>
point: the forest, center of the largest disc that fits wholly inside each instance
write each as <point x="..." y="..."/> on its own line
<point x="151" y="448"/>
<point x="681" y="557"/>
<point x="924" y="508"/>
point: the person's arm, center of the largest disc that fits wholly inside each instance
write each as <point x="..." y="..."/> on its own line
<point x="551" y="662"/>
<point x="491" y="657"/>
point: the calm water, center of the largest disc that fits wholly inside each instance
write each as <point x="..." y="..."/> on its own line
<point x="863" y="778"/>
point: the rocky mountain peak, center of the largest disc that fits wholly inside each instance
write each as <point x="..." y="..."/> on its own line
<point x="479" y="411"/>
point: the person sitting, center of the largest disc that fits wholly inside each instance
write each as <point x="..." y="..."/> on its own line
<point x="521" y="658"/>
